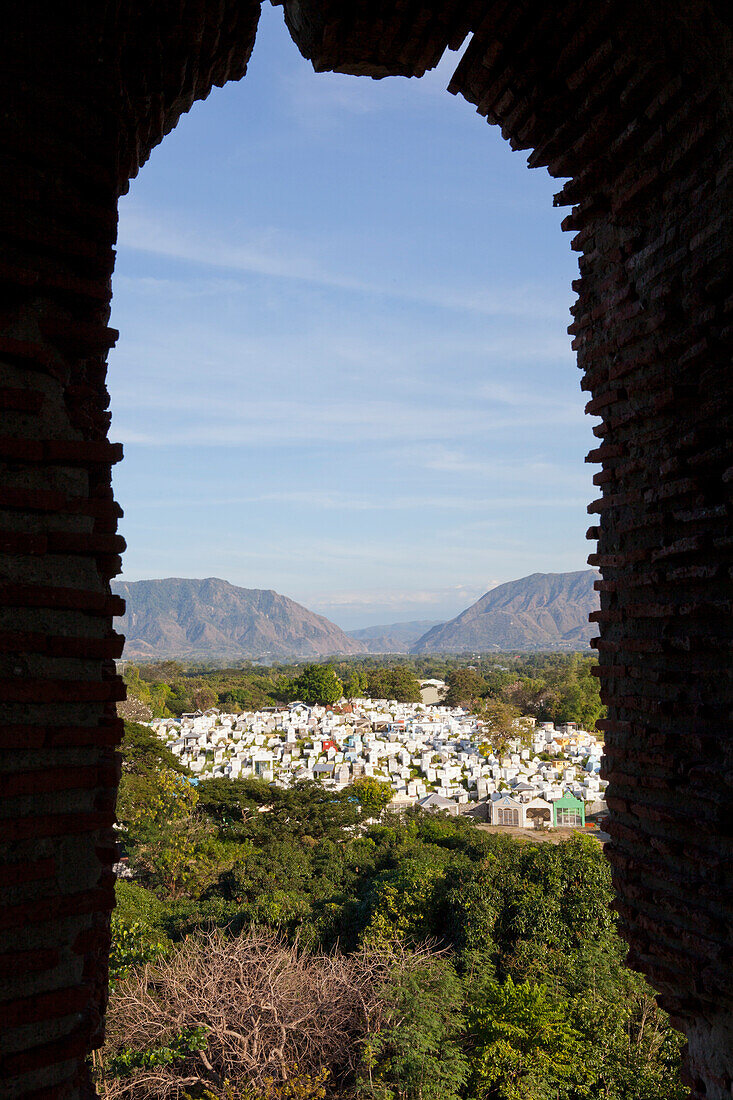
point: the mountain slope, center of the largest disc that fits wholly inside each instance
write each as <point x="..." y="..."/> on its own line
<point x="211" y="618"/>
<point x="542" y="611"/>
<point x="394" y="637"/>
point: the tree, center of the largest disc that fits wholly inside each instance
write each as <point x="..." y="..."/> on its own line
<point x="140" y="686"/>
<point x="414" y="1052"/>
<point x="132" y="945"/>
<point x="308" y="809"/>
<point x="530" y="696"/>
<point x="168" y="843"/>
<point x="578" y="697"/>
<point x="403" y="901"/>
<point x="143" y="753"/>
<point x="373" y="794"/>
<point x="465" y="686"/>
<point x="317" y="684"/>
<point x="523" y="1043"/>
<point x="499" y="717"/>
<point x="269" y="1014"/>
<point x="354" y="683"/>
<point x="230" y="802"/>
<point x="136" y="927"/>
<point x="203" y="696"/>
<point x="252" y="696"/>
<point x="399" y="684"/>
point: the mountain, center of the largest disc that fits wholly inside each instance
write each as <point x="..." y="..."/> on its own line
<point x="394" y="637"/>
<point x="542" y="611"/>
<point x="211" y="618"/>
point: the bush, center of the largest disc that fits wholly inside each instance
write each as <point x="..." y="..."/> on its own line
<point x="272" y="1014"/>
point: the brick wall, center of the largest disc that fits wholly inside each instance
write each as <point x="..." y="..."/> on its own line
<point x="84" y="98"/>
<point x="631" y="104"/>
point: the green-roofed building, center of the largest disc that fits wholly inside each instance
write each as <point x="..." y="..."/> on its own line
<point x="568" y="812"/>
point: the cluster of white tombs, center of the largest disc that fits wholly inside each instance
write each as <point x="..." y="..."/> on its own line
<point x="435" y="757"/>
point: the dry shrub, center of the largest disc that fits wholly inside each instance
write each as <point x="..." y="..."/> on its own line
<point x="273" y="1013"/>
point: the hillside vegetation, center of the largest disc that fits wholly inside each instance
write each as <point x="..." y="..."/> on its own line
<point x="551" y="687"/>
<point x="303" y="943"/>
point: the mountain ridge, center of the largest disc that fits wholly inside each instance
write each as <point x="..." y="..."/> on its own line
<point x="186" y="617"/>
<point x="178" y="617"/>
<point x="540" y="611"/>
<point x="393" y="637"/>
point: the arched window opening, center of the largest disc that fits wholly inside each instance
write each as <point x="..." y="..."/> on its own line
<point x="630" y="110"/>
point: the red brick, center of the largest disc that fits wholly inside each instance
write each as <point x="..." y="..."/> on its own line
<point x="57" y="825"/>
<point x="15" y="874"/>
<point x="74" y="599"/>
<point x="45" y="1006"/>
<point x="74" y="1045"/>
<point x="60" y="779"/>
<point x="28" y="962"/>
<point x="60" y="691"/>
<point x="72" y="452"/>
<point x="16" y="400"/>
<point x="25" y="349"/>
<point x="51" y="909"/>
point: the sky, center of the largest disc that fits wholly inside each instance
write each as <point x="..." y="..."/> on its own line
<point x="343" y="370"/>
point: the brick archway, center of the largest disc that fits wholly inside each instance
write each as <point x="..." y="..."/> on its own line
<point x="629" y="103"/>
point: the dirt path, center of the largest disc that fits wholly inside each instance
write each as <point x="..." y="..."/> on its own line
<point x="548" y="836"/>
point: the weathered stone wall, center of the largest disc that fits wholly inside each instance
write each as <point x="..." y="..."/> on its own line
<point x="85" y="95"/>
<point x="59" y="549"/>
<point x="632" y="104"/>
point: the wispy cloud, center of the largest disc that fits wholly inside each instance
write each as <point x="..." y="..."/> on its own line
<point x="206" y="420"/>
<point x="501" y="470"/>
<point x="274" y="254"/>
<point x="387" y="597"/>
<point x="344" y="502"/>
<point x="333" y="381"/>
<point x="331" y="99"/>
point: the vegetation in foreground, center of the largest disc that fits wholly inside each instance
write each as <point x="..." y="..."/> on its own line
<point x="291" y="945"/>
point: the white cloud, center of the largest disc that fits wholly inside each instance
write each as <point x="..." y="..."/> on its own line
<point x="331" y="99"/>
<point x="239" y="422"/>
<point x="274" y="254"/>
<point x="345" y="502"/>
<point x="502" y="470"/>
<point x="458" y="593"/>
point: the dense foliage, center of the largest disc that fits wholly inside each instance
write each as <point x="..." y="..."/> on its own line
<point x="317" y="684"/>
<point x="520" y="994"/>
<point x="551" y="687"/>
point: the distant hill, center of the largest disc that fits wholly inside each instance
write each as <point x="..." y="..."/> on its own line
<point x="212" y="619"/>
<point x="394" y="637"/>
<point x="542" y="611"/>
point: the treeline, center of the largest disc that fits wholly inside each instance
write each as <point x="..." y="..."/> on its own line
<point x="555" y="687"/>
<point x="427" y="958"/>
<point x="170" y="690"/>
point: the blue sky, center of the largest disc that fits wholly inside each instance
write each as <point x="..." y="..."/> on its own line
<point x="343" y="370"/>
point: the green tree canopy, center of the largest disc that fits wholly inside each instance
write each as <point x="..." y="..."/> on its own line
<point x="416" y="1054"/>
<point x="144" y="754"/>
<point x="400" y="684"/>
<point x="354" y="683"/>
<point x="499" y="717"/>
<point x="317" y="684"/>
<point x="373" y="794"/>
<point x="465" y="685"/>
<point x="523" y="1044"/>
